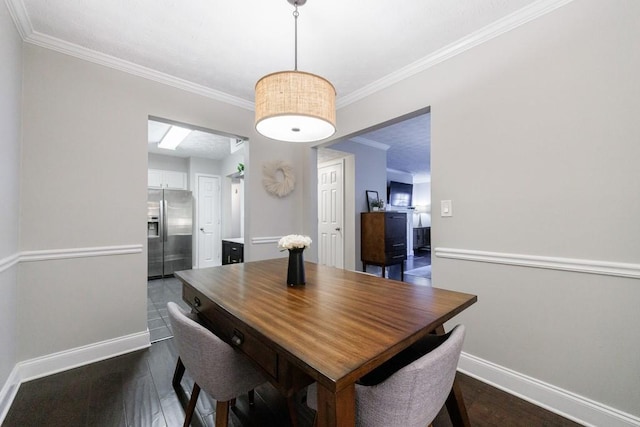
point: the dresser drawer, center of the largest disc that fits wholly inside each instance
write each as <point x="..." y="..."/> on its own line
<point x="395" y="257"/>
<point x="395" y="244"/>
<point x="232" y="331"/>
<point x="395" y="224"/>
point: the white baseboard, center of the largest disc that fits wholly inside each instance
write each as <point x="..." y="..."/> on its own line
<point x="79" y="356"/>
<point x="62" y="361"/>
<point x="562" y="402"/>
<point x="8" y="392"/>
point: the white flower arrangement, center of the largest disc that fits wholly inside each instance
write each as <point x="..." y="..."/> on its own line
<point x="294" y="241"/>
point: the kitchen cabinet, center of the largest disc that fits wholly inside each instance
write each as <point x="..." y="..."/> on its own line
<point x="383" y="239"/>
<point x="232" y="252"/>
<point x="167" y="179"/>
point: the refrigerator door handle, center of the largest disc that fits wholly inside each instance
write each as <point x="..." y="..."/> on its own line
<point x="164" y="218"/>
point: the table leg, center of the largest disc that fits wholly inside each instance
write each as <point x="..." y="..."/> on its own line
<point x="336" y="409"/>
<point x="455" y="403"/>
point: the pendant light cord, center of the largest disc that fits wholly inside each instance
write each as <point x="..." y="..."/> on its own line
<point x="295" y="20"/>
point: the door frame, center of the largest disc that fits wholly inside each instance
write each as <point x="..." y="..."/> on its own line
<point x="196" y="196"/>
<point x="348" y="208"/>
<point x="338" y="161"/>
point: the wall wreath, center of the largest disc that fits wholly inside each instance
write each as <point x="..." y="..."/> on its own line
<point x="278" y="178"/>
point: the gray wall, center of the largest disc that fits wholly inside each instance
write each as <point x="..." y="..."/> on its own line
<point x="10" y="120"/>
<point x="85" y="165"/>
<point x="535" y="139"/>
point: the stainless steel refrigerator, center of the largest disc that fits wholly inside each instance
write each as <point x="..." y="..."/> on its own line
<point x="169" y="231"/>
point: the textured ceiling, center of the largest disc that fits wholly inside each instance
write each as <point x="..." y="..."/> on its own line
<point x="409" y="144"/>
<point x="221" y="48"/>
<point x="198" y="143"/>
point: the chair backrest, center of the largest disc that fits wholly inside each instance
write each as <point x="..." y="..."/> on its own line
<point x="217" y="367"/>
<point x="414" y="394"/>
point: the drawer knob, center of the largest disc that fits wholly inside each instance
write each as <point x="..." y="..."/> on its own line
<point x="196" y="302"/>
<point x="236" y="339"/>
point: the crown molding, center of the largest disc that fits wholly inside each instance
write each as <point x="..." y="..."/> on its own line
<point x="20" y="17"/>
<point x="80" y="52"/>
<point x="23" y="24"/>
<point x="483" y="35"/>
<point x="514" y="20"/>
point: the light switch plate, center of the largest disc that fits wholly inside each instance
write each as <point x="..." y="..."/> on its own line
<point x="446" y="208"/>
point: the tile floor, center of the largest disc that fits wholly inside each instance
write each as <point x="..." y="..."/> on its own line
<point x="159" y="292"/>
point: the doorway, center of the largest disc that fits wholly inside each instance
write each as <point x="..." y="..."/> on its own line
<point x="208" y="221"/>
<point x="196" y="166"/>
<point x="398" y="150"/>
<point x="331" y="213"/>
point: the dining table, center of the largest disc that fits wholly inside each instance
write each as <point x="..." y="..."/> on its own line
<point x="333" y="330"/>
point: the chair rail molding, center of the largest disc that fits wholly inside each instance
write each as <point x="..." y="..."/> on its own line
<point x="54" y="254"/>
<point x="577" y="265"/>
<point x="9" y="261"/>
<point x="265" y="240"/>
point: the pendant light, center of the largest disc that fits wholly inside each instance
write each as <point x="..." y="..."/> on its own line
<point x="295" y="106"/>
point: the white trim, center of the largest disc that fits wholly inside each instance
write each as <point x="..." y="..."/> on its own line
<point x="80" y="356"/>
<point x="8" y="392"/>
<point x="135" y="69"/>
<point x="508" y="23"/>
<point x="265" y="240"/>
<point x="53" y="254"/>
<point x="606" y="268"/>
<point x="20" y="17"/>
<point x="562" y="402"/>
<point x="196" y="216"/>
<point x="8" y="262"/>
<point x="68" y="359"/>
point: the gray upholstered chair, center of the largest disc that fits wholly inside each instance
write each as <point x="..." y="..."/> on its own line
<point x="214" y="365"/>
<point x="410" y="394"/>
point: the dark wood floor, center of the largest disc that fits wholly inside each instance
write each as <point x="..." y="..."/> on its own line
<point x="135" y="389"/>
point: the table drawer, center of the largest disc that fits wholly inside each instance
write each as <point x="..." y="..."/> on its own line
<point x="232" y="331"/>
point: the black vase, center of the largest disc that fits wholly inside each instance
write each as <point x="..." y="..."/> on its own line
<point x="295" y="271"/>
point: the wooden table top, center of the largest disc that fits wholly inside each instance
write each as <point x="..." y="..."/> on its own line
<point x="338" y="326"/>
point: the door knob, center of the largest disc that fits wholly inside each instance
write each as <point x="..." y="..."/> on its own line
<point x="202" y="229"/>
<point x="337" y="228"/>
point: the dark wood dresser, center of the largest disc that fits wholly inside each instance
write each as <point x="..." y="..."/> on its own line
<point x="383" y="239"/>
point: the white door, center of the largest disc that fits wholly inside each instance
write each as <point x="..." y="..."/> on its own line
<point x="330" y="214"/>
<point x="208" y="232"/>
